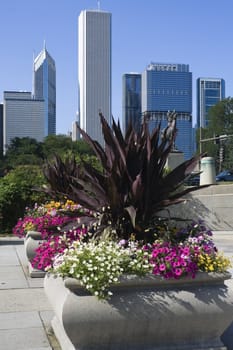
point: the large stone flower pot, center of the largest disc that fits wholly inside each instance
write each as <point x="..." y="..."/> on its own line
<point x="143" y="314"/>
<point x="31" y="242"/>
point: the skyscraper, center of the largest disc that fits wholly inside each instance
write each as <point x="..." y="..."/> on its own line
<point x="131" y="100"/>
<point x="45" y="88"/>
<point x="94" y="70"/>
<point x="209" y="92"/>
<point x="23" y="116"/>
<point x="168" y="87"/>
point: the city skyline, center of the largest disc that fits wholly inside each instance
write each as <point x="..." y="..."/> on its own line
<point x="159" y="31"/>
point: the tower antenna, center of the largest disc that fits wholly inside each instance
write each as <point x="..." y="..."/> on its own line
<point x="98" y="5"/>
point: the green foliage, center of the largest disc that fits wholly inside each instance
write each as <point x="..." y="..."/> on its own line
<point x="61" y="144"/>
<point x="28" y="151"/>
<point x="132" y="186"/>
<point x="16" y="192"/>
<point x="220" y="123"/>
<point x="23" y="151"/>
<point x="209" y="147"/>
<point x="221" y="115"/>
<point x="221" y="120"/>
<point x="21" y="172"/>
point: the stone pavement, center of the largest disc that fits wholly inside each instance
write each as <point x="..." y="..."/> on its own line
<point x="25" y="313"/>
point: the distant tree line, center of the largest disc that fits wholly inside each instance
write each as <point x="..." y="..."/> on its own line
<point x="28" y="151"/>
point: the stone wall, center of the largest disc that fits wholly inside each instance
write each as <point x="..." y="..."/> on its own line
<point x="213" y="204"/>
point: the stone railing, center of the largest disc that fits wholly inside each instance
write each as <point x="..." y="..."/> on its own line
<point x="213" y="204"/>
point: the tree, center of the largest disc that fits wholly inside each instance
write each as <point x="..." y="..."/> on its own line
<point x="28" y="151"/>
<point x="23" y="151"/>
<point x="61" y="144"/>
<point x="209" y="147"/>
<point x="17" y="190"/>
<point x="220" y="123"/>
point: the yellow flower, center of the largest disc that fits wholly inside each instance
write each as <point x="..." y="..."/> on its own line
<point x="213" y="263"/>
<point x="29" y="226"/>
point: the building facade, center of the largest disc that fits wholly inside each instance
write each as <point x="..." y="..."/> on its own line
<point x="209" y="92"/>
<point x="94" y="70"/>
<point x="23" y="116"/>
<point x="45" y="88"/>
<point x="131" y="101"/>
<point x="168" y="87"/>
<point x="75" y="132"/>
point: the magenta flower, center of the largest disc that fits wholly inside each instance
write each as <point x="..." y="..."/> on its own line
<point x="178" y="272"/>
<point x="177" y="263"/>
<point x="54" y="245"/>
<point x="162" y="267"/>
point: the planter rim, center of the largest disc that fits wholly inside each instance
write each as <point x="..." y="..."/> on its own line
<point x="33" y="234"/>
<point x="201" y="278"/>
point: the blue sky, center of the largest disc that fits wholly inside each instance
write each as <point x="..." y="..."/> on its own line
<point x="194" y="32"/>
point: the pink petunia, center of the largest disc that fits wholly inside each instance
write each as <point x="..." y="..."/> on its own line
<point x="162" y="267"/>
<point x="178" y="272"/>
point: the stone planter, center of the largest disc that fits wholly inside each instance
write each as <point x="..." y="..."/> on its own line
<point x="144" y="313"/>
<point x="31" y="242"/>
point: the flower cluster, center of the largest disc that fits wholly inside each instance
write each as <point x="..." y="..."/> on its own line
<point x="97" y="265"/>
<point x="190" y="250"/>
<point x="54" y="245"/>
<point x="48" y="218"/>
<point x="213" y="262"/>
<point x="46" y="224"/>
<point x="67" y="206"/>
<point x="51" y="207"/>
<point x="173" y="261"/>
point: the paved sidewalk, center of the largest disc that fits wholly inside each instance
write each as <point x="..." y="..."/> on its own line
<point x="25" y="313"/>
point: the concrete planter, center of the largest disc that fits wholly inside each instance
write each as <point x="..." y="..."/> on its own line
<point x="31" y="242"/>
<point x="144" y="313"/>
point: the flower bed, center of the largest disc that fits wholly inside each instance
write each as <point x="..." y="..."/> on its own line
<point x="99" y="264"/>
<point x="49" y="221"/>
<point x="46" y="218"/>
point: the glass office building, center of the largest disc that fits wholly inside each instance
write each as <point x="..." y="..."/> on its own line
<point x="131" y="100"/>
<point x="167" y="87"/>
<point x="45" y="88"/>
<point x="209" y="92"/>
<point x="94" y="70"/>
